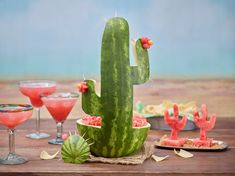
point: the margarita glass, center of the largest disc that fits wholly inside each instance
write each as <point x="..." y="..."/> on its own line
<point x="12" y="115"/>
<point x="59" y="106"/>
<point x="33" y="89"/>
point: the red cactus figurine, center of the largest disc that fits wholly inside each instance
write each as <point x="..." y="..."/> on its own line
<point x="176" y="126"/>
<point x="204" y="126"/>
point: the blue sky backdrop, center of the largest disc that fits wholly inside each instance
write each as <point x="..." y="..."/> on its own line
<point x="62" y="38"/>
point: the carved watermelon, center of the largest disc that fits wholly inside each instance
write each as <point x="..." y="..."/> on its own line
<point x="116" y="137"/>
<point x="204" y="125"/>
<point x="176" y="126"/>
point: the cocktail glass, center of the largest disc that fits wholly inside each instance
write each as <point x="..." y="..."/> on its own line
<point x="12" y="115"/>
<point x="59" y="106"/>
<point x="33" y="89"/>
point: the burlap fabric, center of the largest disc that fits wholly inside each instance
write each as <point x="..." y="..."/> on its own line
<point x="138" y="158"/>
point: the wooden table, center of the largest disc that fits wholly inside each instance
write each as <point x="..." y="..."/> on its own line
<point x="217" y="94"/>
<point x="214" y="163"/>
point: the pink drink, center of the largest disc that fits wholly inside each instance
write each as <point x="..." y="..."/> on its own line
<point x="59" y="108"/>
<point x="35" y="90"/>
<point x="12" y="119"/>
<point x="12" y="115"/>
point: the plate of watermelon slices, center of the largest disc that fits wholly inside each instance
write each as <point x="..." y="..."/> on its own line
<point x="188" y="145"/>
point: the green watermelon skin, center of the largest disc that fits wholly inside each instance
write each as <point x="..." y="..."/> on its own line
<point x="130" y="144"/>
<point x="116" y="137"/>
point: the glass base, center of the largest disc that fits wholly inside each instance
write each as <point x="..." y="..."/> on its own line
<point x="12" y="159"/>
<point x="57" y="141"/>
<point x="38" y="135"/>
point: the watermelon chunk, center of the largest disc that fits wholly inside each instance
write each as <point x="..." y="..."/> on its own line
<point x="137" y="121"/>
<point x="174" y="142"/>
<point x="92" y="120"/>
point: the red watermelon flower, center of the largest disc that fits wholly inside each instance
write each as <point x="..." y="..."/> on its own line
<point x="146" y="42"/>
<point x="82" y="87"/>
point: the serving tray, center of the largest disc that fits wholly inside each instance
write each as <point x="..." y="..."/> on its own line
<point x="222" y="147"/>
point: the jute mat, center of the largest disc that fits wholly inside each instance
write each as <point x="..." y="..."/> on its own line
<point x="138" y="158"/>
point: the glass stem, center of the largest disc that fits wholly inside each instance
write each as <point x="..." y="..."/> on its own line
<point x="12" y="141"/>
<point x="37" y="121"/>
<point x="59" y="126"/>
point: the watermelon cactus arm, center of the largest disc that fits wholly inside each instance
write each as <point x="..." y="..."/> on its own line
<point x="140" y="73"/>
<point x="211" y="122"/>
<point x="90" y="100"/>
<point x="201" y="121"/>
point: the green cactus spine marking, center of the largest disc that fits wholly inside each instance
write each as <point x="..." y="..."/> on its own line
<point x="116" y="137"/>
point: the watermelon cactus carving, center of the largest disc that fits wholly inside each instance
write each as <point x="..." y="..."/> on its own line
<point x="204" y="125"/>
<point x="176" y="126"/>
<point x="116" y="137"/>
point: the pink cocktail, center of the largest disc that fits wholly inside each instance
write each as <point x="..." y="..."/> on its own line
<point x="34" y="93"/>
<point x="33" y="89"/>
<point x="59" y="106"/>
<point x="12" y="115"/>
